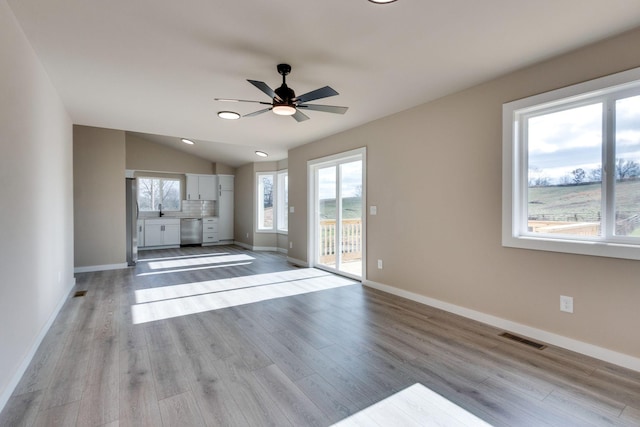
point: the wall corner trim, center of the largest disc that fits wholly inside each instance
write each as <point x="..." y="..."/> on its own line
<point x="22" y="368"/>
<point x="298" y="262"/>
<point x="610" y="356"/>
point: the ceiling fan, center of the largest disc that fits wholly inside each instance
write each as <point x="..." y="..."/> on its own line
<point x="284" y="101"/>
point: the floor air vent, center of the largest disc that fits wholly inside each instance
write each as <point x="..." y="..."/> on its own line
<point x="79" y="294"/>
<point x="523" y="340"/>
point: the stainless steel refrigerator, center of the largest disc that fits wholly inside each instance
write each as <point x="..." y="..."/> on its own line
<point x="132" y="221"/>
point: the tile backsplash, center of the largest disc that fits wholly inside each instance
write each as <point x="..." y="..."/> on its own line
<point x="190" y="209"/>
<point x="198" y="208"/>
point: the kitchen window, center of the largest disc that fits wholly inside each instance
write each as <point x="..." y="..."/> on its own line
<point x="155" y="193"/>
<point x="571" y="169"/>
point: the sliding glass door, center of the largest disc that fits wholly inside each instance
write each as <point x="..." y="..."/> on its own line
<point x="338" y="207"/>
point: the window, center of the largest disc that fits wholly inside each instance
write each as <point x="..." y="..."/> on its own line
<point x="265" y="201"/>
<point x="571" y="169"/>
<point x="153" y="192"/>
<point x="283" y="201"/>
<point x="273" y="201"/>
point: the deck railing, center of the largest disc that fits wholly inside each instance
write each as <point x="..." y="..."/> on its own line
<point x="351" y="240"/>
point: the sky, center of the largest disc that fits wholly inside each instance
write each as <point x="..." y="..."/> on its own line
<point x="351" y="180"/>
<point x="563" y="141"/>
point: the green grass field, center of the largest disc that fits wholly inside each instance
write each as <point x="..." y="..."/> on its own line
<point x="352" y="208"/>
<point x="582" y="200"/>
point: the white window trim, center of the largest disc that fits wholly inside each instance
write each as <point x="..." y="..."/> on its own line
<point x="162" y="178"/>
<point x="279" y="201"/>
<point x="259" y="201"/>
<point x="513" y="166"/>
<point x="275" y="228"/>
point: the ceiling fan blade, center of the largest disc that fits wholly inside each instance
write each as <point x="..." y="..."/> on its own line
<point x="323" y="92"/>
<point x="241" y="100"/>
<point x="265" y="88"/>
<point x="300" y="116"/>
<point x="325" y="108"/>
<point x="255" y="113"/>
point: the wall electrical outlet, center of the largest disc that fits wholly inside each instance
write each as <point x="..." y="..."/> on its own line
<point x="380" y="264"/>
<point x="247" y="235"/>
<point x="290" y="245"/>
<point x="566" y="304"/>
<point x="292" y="209"/>
<point x="373" y="210"/>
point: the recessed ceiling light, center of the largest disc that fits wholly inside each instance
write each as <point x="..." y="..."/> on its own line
<point x="382" y="1"/>
<point x="187" y="141"/>
<point x="228" y="115"/>
<point x="261" y="154"/>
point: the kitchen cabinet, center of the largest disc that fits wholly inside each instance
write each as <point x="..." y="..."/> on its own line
<point x="210" y="230"/>
<point x="225" y="206"/>
<point x="202" y="187"/>
<point x="162" y="232"/>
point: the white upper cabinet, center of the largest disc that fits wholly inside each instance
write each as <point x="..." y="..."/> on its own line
<point x="202" y="187"/>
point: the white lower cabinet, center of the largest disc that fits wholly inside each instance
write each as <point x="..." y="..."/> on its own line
<point x="210" y="230"/>
<point x="161" y="232"/>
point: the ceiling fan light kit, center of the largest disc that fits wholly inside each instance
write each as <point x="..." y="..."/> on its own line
<point x="284" y="110"/>
<point x="284" y="101"/>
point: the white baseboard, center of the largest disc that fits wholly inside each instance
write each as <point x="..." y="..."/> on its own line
<point x="92" y="268"/>
<point x="17" y="376"/>
<point x="298" y="262"/>
<point x="260" y="248"/>
<point x="591" y="350"/>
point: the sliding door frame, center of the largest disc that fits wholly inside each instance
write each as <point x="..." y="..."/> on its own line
<point x="312" y="206"/>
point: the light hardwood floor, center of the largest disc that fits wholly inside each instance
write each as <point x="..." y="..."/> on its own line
<point x="223" y="336"/>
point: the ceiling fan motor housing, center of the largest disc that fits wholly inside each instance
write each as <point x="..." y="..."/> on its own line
<point x="286" y="94"/>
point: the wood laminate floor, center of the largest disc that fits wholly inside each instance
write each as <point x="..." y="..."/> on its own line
<point x="223" y="336"/>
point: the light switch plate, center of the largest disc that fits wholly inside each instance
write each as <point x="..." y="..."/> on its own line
<point x="292" y="209"/>
<point x="373" y="210"/>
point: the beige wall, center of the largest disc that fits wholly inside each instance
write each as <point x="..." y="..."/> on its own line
<point x="244" y="204"/>
<point x="222" y="169"/>
<point x="245" y="207"/>
<point x="148" y="156"/>
<point x="36" y="212"/>
<point x="434" y="172"/>
<point x="99" y="198"/>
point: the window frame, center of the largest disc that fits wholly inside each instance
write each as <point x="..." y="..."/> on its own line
<point x="260" y="203"/>
<point x="277" y="195"/>
<point x="515" y="168"/>
<point x="164" y="209"/>
<point x="282" y="201"/>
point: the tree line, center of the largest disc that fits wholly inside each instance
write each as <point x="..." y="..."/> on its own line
<point x="625" y="169"/>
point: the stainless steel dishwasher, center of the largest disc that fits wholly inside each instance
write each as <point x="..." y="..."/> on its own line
<point x="191" y="231"/>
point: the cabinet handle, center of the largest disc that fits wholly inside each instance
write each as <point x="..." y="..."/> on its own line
<point x="220" y="189"/>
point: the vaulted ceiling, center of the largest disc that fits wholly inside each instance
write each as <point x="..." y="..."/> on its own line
<point x="155" y="66"/>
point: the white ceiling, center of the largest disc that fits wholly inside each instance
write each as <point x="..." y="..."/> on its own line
<point x="155" y="66"/>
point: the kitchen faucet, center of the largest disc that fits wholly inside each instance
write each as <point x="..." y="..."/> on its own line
<point x="160" y="209"/>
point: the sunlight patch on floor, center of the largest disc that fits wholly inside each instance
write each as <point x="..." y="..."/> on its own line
<point x="221" y="285"/>
<point x="267" y="286"/>
<point x="195" y="261"/>
<point x="414" y="406"/>
<point x="183" y="270"/>
<point x="142" y="260"/>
